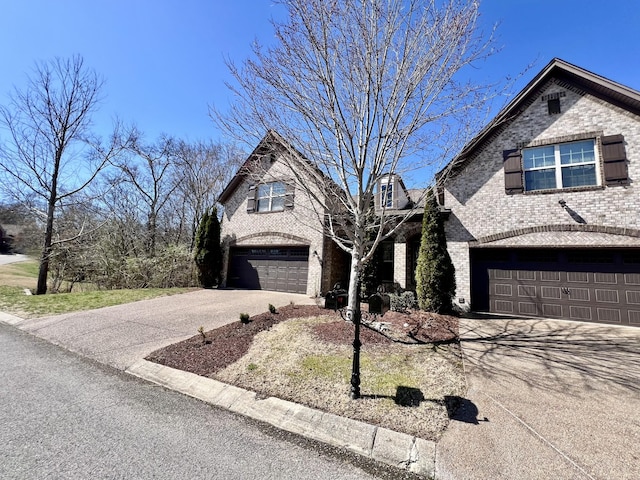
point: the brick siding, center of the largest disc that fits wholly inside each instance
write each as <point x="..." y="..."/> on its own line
<point x="297" y="227"/>
<point x="480" y="208"/>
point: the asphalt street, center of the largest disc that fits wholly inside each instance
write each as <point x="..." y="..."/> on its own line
<point x="64" y="416"/>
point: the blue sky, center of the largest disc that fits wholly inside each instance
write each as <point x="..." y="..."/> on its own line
<point x="163" y="61"/>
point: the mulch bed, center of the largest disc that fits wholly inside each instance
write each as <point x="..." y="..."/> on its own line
<point x="225" y="345"/>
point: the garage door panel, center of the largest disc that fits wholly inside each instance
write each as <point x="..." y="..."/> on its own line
<point x="503" y="289"/>
<point x="282" y="269"/>
<point x="551" y="310"/>
<point x="585" y="285"/>
<point x="605" y="278"/>
<point x="580" y="313"/>
<point x="550" y="292"/>
<point x="550" y="276"/>
<point x="609" y="315"/>
<point x="527" y="291"/>
<point x="526" y="308"/>
<point x="632" y="278"/>
<point x="607" y="296"/>
<point x="502" y="274"/>
<point x="526" y="275"/>
<point x="633" y="297"/>
<point x="503" y="306"/>
<point x="577" y="277"/>
<point x="580" y="294"/>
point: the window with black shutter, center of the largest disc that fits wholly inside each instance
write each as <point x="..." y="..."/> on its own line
<point x="614" y="157"/>
<point x="251" y="199"/>
<point x="270" y="197"/>
<point x="289" y="194"/>
<point x="512" y="171"/>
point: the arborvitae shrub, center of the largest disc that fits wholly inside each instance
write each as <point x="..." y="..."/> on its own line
<point x="435" y="274"/>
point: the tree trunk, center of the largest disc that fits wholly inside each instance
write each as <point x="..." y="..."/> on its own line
<point x="151" y="235"/>
<point x="43" y="271"/>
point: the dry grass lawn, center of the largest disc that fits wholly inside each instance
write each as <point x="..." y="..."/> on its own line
<point x="406" y="388"/>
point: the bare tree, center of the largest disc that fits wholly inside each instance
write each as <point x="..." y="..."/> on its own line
<point x="150" y="172"/>
<point x="50" y="154"/>
<point x="204" y="169"/>
<point x="364" y="89"/>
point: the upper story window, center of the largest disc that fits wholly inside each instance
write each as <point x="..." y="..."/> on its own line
<point x="275" y="196"/>
<point x="567" y="165"/>
<point x="564" y="165"/>
<point x="386" y="195"/>
<point x="270" y="197"/>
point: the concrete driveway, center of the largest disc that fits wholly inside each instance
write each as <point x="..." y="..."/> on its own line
<point x="547" y="399"/>
<point x="121" y="335"/>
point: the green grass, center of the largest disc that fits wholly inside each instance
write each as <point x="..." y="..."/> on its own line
<point x="383" y="374"/>
<point x="21" y="274"/>
<point x="13" y="300"/>
<point x="326" y="366"/>
<point x="16" y="277"/>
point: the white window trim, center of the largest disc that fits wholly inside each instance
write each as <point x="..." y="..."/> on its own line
<point x="270" y="197"/>
<point x="386" y="194"/>
<point x="558" y="165"/>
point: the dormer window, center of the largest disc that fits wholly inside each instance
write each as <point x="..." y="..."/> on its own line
<point x="391" y="193"/>
<point x="386" y="195"/>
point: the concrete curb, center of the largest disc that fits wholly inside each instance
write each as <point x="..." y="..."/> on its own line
<point x="10" y="319"/>
<point x="393" y="448"/>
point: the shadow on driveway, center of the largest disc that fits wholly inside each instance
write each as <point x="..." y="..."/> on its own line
<point x="592" y="355"/>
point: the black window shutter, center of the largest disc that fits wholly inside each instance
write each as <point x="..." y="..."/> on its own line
<point x="251" y="199"/>
<point x="614" y="157"/>
<point x="513" y="182"/>
<point x="290" y="189"/>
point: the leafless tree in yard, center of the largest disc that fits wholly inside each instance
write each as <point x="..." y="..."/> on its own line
<point x="50" y="154"/>
<point x="363" y="89"/>
<point x="150" y="172"/>
<point x="204" y="169"/>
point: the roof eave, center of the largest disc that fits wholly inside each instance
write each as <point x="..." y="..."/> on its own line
<point x="617" y="93"/>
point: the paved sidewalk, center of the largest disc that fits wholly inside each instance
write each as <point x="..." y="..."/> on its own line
<point x="6" y="259"/>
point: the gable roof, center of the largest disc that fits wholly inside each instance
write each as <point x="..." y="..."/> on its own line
<point x="589" y="82"/>
<point x="266" y="146"/>
<point x="263" y="148"/>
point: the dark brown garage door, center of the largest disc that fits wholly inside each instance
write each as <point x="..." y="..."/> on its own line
<point x="282" y="269"/>
<point x="587" y="285"/>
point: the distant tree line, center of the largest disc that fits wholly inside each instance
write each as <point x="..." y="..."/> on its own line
<point x="120" y="213"/>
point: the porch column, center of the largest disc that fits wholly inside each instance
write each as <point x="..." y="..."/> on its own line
<point x="400" y="263"/>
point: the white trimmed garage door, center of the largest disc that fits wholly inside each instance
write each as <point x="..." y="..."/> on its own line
<point x="281" y="269"/>
<point x="592" y="285"/>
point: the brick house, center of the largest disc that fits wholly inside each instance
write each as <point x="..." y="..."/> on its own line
<point x="544" y="210"/>
<point x="272" y="238"/>
<point x="272" y="230"/>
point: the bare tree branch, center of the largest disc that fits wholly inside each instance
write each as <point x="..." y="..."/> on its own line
<point x="365" y="89"/>
<point x="48" y="153"/>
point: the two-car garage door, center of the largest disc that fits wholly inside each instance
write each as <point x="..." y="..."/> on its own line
<point x="282" y="269"/>
<point x="593" y="285"/>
